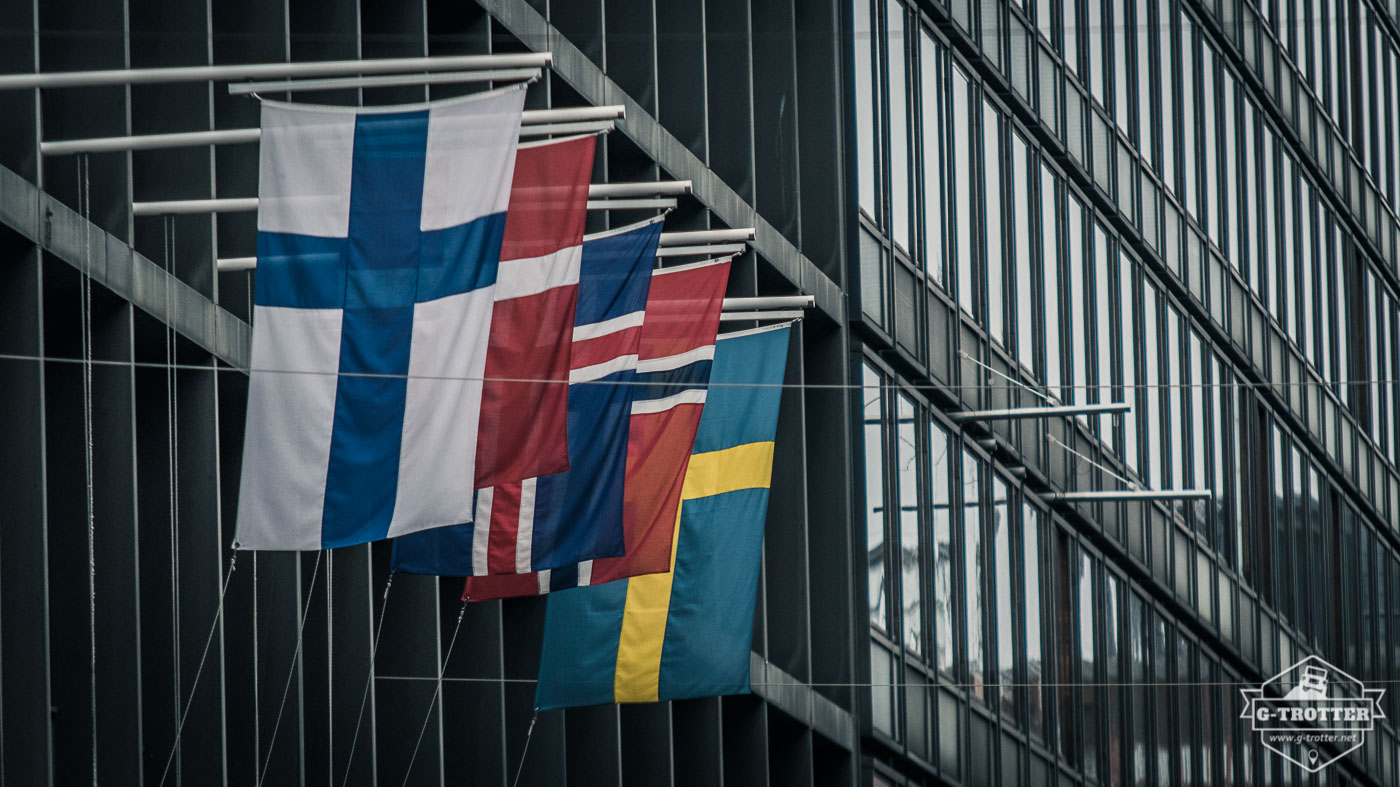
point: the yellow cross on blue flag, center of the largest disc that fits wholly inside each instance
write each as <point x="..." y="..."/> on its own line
<point x="687" y="632"/>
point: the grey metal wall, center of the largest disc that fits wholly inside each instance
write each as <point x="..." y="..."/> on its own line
<point x="105" y="609"/>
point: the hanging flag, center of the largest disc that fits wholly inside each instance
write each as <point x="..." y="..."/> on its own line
<point x="677" y="347"/>
<point x="523" y="430"/>
<point x="571" y="516"/>
<point x="687" y="632"/>
<point x="379" y="235"/>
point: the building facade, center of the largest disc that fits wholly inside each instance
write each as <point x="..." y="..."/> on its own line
<point x="1186" y="205"/>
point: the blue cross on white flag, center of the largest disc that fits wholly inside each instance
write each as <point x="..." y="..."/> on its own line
<point x="379" y="234"/>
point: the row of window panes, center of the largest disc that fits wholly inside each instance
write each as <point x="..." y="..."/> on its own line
<point x="1273" y="538"/>
<point x="1028" y="621"/>
<point x="1307" y="298"/>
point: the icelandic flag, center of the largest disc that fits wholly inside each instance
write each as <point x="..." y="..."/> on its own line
<point x="379" y="235"/>
<point x="561" y="519"/>
<point x="673" y="370"/>
<point x="523" y="430"/>
<point x="686" y="632"/>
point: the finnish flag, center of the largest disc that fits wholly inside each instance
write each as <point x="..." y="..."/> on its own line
<point x="379" y="235"/>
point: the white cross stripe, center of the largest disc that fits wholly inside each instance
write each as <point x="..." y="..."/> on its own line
<point x="481" y="530"/>
<point x="525" y="530"/>
<point x="585" y="573"/>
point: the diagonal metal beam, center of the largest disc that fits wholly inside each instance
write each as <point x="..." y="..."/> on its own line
<point x="526" y="24"/>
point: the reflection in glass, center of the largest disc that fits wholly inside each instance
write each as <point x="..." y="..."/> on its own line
<point x="1096" y="30"/>
<point x="939" y="470"/>
<point x="1035" y="664"/>
<point x="910" y="540"/>
<point x="1006" y="642"/>
<point x="1113" y="678"/>
<point x="1167" y="91"/>
<point x="1138" y="699"/>
<point x="874" y="497"/>
<point x="1195" y="365"/>
<point x="1145" y="86"/>
<point x="1087" y="660"/>
<point x="1209" y="132"/>
<point x="972" y="574"/>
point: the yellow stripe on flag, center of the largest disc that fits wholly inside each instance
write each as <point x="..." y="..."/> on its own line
<point x="638" y="676"/>
<point x="747" y="466"/>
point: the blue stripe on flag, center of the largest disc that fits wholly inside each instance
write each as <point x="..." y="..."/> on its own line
<point x="592" y="489"/>
<point x="386" y="200"/>
<point x="611" y="283"/>
<point x="460" y="259"/>
<point x="363" y="472"/>
<point x="659" y="385"/>
<point x="301" y="271"/>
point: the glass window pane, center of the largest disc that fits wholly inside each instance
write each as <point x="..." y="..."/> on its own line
<point x="1087" y="669"/>
<point x="874" y="496"/>
<point x="1096" y="30"/>
<point x="1152" y="391"/>
<point x="1006" y="642"/>
<point x="865" y="109"/>
<point x="1035" y="668"/>
<point x="1079" y="335"/>
<point x="1168" y="95"/>
<point x="899" y="126"/>
<point x="1050" y="264"/>
<point x="991" y="185"/>
<point x="910" y="540"/>
<point x="962" y="164"/>
<point x="972" y="574"/>
<point x="1189" y="194"/>
<point x="1146" y="86"/>
<point x="1112" y="678"/>
<point x="1071" y="32"/>
<point x="1025" y="309"/>
<point x="931" y="65"/>
<point x="939" y="469"/>
<point x="1128" y="340"/>
<point x="1105" y="335"/>
<point x="1209" y="134"/>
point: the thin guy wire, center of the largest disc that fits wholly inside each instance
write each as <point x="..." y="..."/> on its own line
<point x="85" y="311"/>
<point x="1012" y="380"/>
<point x="436" y="691"/>
<point x="648" y="384"/>
<point x="292" y="670"/>
<point x="194" y="687"/>
<point x="916" y="684"/>
<point x="530" y="733"/>
<point x="1056" y="441"/>
<point x="369" y="679"/>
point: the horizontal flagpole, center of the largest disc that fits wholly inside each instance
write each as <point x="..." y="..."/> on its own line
<point x="1037" y="412"/>
<point x="393" y="80"/>
<point x="770" y="302"/>
<point x="664" y="203"/>
<point x="1133" y="494"/>
<point x="793" y="314"/>
<point x="705" y="236"/>
<point x="531" y="122"/>
<point x="659" y="188"/>
<point x="228" y="73"/>
<point x="714" y="249"/>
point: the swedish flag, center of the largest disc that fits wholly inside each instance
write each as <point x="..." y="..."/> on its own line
<point x="687" y="632"/>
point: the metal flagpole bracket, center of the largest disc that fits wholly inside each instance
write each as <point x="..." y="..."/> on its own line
<point x="1037" y="412"/>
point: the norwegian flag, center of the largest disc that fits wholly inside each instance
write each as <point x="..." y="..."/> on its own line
<point x="676" y="353"/>
<point x="563" y="518"/>
<point x="522" y="427"/>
